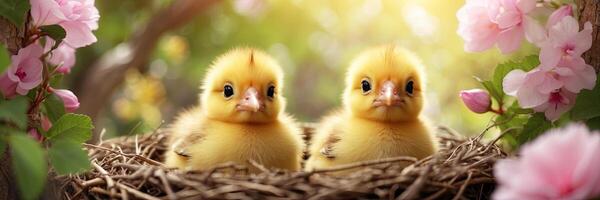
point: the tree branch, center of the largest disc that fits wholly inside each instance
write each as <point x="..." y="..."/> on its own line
<point x="10" y="36"/>
<point x="108" y="72"/>
<point x="590" y="11"/>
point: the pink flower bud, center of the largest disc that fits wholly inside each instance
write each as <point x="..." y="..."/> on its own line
<point x="69" y="99"/>
<point x="557" y="15"/>
<point x="35" y="135"/>
<point x="477" y="100"/>
<point x="46" y="123"/>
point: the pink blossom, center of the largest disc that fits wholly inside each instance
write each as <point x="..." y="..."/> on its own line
<point x="560" y="164"/>
<point x="565" y="42"/>
<point x="483" y="23"/>
<point x="35" y="135"/>
<point x="576" y="74"/>
<point x="7" y="86"/>
<point x="63" y="56"/>
<point x="511" y="17"/>
<point x="69" y="99"/>
<point x="538" y="86"/>
<point x="558" y="15"/>
<point x="78" y="17"/>
<point x="46" y="125"/>
<point x="531" y="88"/>
<point x="477" y="100"/>
<point x="558" y="103"/>
<point x="24" y="73"/>
<point x="475" y="26"/>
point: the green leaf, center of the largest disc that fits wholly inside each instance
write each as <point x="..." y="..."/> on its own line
<point x="56" y="32"/>
<point x="29" y="165"/>
<point x="489" y="86"/>
<point x="56" y="79"/>
<point x="54" y="107"/>
<point x="14" y="110"/>
<point x="586" y="106"/>
<point x="14" y="10"/>
<point x="535" y="126"/>
<point x="72" y="127"/>
<point x="593" y="123"/>
<point x="526" y="64"/>
<point x="4" y="58"/>
<point x="68" y="157"/>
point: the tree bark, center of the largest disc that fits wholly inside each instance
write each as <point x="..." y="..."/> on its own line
<point x="10" y="36"/>
<point x="108" y="72"/>
<point x="590" y="11"/>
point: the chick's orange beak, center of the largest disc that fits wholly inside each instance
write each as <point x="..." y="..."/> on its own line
<point x="250" y="101"/>
<point x="388" y="96"/>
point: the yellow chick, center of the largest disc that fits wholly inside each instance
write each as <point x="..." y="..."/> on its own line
<point x="381" y="114"/>
<point x="241" y="118"/>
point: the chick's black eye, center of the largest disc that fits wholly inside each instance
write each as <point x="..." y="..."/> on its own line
<point x="227" y="91"/>
<point x="271" y="91"/>
<point x="366" y="86"/>
<point x="410" y="87"/>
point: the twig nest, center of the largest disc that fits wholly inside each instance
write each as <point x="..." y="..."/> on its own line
<point x="126" y="169"/>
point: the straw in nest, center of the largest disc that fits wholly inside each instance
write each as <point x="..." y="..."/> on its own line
<point x="129" y="168"/>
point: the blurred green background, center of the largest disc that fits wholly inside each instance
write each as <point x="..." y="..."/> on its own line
<point x="313" y="40"/>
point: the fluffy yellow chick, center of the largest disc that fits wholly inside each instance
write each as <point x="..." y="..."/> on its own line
<point x="381" y="114"/>
<point x="241" y="118"/>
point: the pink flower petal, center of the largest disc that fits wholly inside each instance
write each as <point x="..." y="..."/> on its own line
<point x="510" y="40"/>
<point x="550" y="56"/>
<point x="558" y="15"/>
<point x="583" y="40"/>
<point x="7" y="86"/>
<point x="565" y="29"/>
<point x="69" y="99"/>
<point x="526" y="6"/>
<point x="26" y="68"/>
<point x="63" y="56"/>
<point x="508" y="19"/>
<point x="560" y="164"/>
<point x="78" y="34"/>
<point x="46" y="12"/>
<point x="534" y="32"/>
<point x="581" y="79"/>
<point x="476" y="29"/>
<point x="513" y="81"/>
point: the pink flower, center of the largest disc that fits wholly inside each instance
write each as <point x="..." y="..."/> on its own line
<point x="558" y="103"/>
<point x="560" y="164"/>
<point x="483" y="23"/>
<point x="534" y="88"/>
<point x="552" y="90"/>
<point x="576" y="74"/>
<point x="476" y="100"/>
<point x="69" y="99"/>
<point x="35" y="135"/>
<point x="78" y="17"/>
<point x="531" y="88"/>
<point x="46" y="123"/>
<point x="565" y="42"/>
<point x="24" y="73"/>
<point x="558" y="15"/>
<point x="63" y="56"/>
<point x="475" y="26"/>
<point x="511" y="17"/>
<point x="7" y="86"/>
